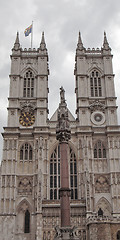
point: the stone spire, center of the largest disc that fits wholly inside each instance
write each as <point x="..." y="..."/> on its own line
<point x="42" y="47"/>
<point x="17" y="43"/>
<point x="105" y="43"/>
<point x="80" y="44"/>
<point x="80" y="48"/>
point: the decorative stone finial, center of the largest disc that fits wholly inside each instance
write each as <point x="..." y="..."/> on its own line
<point x="17" y="43"/>
<point x="80" y="44"/>
<point x="105" y="43"/>
<point x="63" y="133"/>
<point x="43" y="44"/>
<point x="42" y="49"/>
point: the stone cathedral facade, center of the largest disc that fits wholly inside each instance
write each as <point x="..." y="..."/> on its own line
<point x="30" y="167"/>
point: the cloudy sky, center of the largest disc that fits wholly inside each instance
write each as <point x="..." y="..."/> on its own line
<point x="61" y="20"/>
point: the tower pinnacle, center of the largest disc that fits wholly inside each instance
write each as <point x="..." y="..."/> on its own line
<point x="80" y="44"/>
<point x="105" y="43"/>
<point x="17" y="43"/>
<point x="42" y="47"/>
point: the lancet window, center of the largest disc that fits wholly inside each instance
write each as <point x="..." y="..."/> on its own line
<point x="27" y="222"/>
<point x="99" y="150"/>
<point x="55" y="174"/>
<point x="26" y="152"/>
<point x="95" y="84"/>
<point x="28" y="88"/>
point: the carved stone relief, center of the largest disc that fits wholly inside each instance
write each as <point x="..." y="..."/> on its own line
<point x="25" y="186"/>
<point x="102" y="184"/>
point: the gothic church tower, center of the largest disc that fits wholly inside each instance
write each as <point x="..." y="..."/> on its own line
<point x="30" y="168"/>
<point x="22" y="151"/>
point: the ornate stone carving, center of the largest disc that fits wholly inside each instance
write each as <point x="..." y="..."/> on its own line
<point x="102" y="184"/>
<point x="105" y="206"/>
<point x="25" y="186"/>
<point x="63" y="133"/>
<point x="97" y="106"/>
<point x="27" y="106"/>
<point x="66" y="233"/>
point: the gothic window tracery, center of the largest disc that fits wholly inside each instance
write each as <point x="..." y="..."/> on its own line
<point x="99" y="150"/>
<point x="26" y="152"/>
<point x="55" y="174"/>
<point x="95" y="84"/>
<point x="28" y="88"/>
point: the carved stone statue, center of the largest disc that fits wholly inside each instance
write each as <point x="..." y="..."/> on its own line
<point x="63" y="132"/>
<point x="62" y="95"/>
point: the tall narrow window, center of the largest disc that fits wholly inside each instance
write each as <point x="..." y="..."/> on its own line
<point x="99" y="150"/>
<point x="73" y="175"/>
<point x="55" y="174"/>
<point x="27" y="222"/>
<point x="26" y="152"/>
<point x="95" y="84"/>
<point x="118" y="235"/>
<point x="28" y="89"/>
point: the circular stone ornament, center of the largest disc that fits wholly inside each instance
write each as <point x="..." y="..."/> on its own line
<point x="98" y="118"/>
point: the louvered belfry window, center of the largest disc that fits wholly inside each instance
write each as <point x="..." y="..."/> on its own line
<point x="28" y="88"/>
<point x="95" y="84"/>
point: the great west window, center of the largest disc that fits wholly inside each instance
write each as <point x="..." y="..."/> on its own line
<point x="55" y="174"/>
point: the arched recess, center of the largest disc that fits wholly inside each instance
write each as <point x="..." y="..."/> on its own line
<point x="23" y="217"/>
<point x="104" y="206"/>
<point x="27" y="68"/>
<point x="118" y="235"/>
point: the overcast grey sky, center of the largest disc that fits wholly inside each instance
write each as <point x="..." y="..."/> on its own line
<point x="61" y="20"/>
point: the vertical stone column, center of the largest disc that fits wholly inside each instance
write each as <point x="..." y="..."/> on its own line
<point x="63" y="134"/>
<point x="64" y="190"/>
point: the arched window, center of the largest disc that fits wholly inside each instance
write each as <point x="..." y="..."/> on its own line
<point x="99" y="150"/>
<point x="95" y="84"/>
<point x="28" y="88"/>
<point x="27" y="222"/>
<point x="118" y="235"/>
<point x="55" y="174"/>
<point x="73" y="175"/>
<point x="26" y="152"/>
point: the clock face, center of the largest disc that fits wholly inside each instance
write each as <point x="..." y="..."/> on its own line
<point x="26" y="119"/>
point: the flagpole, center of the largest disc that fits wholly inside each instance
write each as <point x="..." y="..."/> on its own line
<point x="32" y="36"/>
